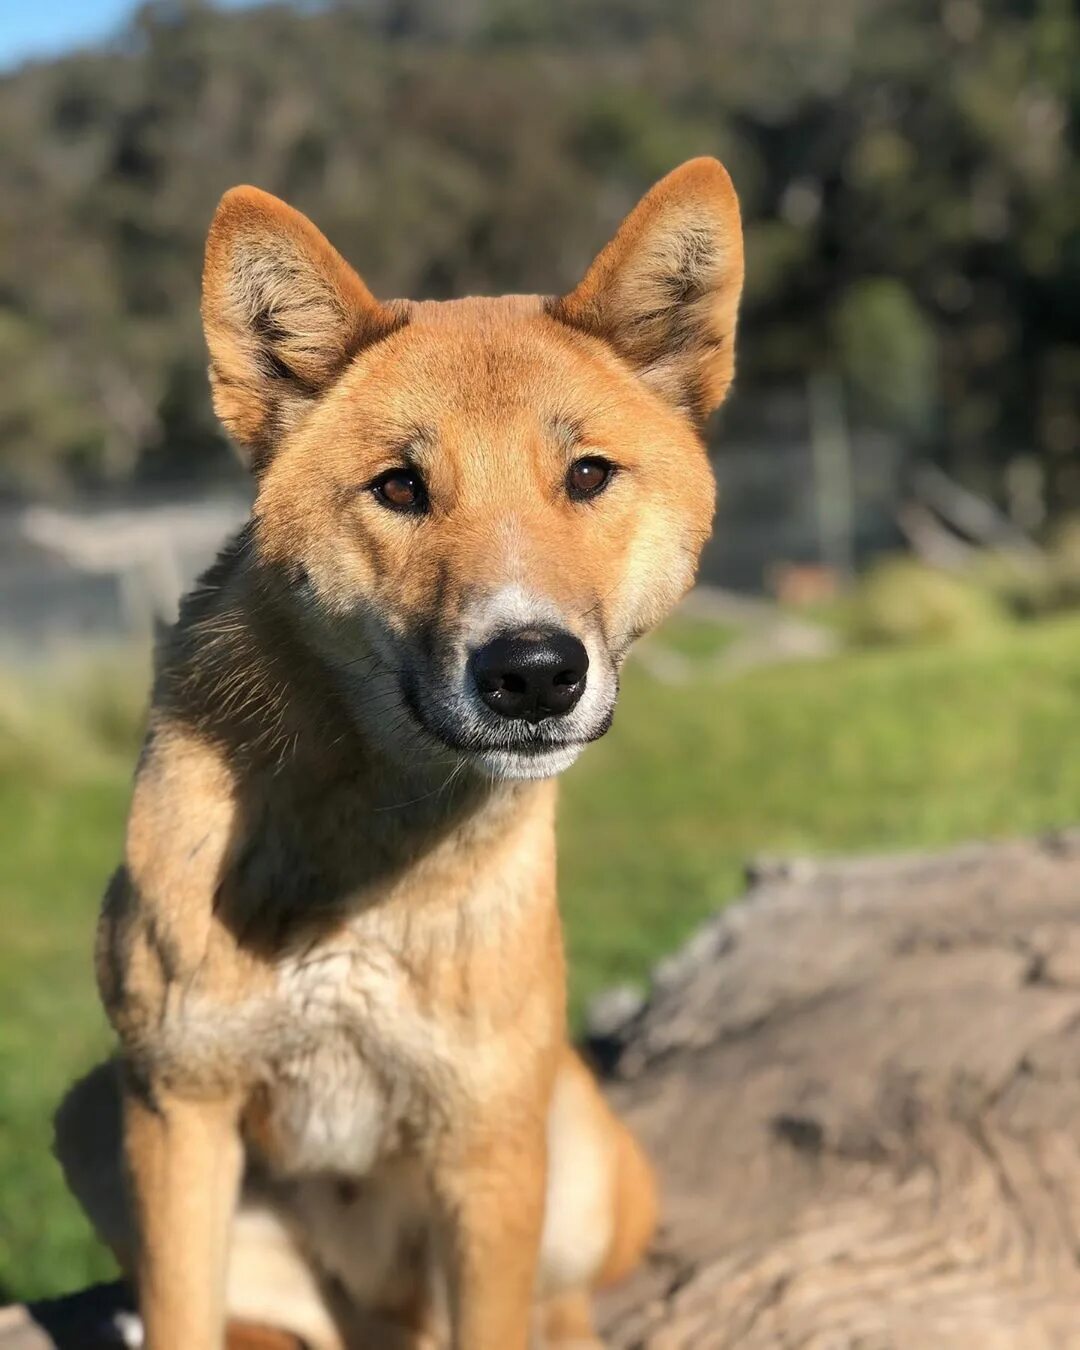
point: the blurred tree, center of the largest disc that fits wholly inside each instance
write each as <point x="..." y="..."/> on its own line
<point x="889" y="353"/>
<point x="908" y="169"/>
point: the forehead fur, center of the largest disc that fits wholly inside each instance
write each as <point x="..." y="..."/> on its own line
<point x="479" y="313"/>
<point x="493" y="358"/>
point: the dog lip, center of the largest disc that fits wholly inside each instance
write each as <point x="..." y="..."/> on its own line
<point x="476" y="745"/>
<point x="532" y="747"/>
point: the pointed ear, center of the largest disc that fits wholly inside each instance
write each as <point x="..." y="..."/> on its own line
<point x="283" y="313"/>
<point x="665" y="291"/>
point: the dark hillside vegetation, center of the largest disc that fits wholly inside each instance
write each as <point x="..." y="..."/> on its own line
<point x="908" y="168"/>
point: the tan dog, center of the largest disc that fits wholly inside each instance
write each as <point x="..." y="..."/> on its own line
<point x="332" y="954"/>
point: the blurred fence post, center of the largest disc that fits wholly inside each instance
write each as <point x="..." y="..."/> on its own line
<point x="832" y="467"/>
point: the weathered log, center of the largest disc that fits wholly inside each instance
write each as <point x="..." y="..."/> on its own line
<point x="862" y="1087"/>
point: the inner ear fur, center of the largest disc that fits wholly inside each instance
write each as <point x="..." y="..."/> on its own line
<point x="665" y="292"/>
<point x="283" y="314"/>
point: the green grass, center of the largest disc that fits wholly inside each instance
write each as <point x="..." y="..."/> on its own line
<point x="695" y="638"/>
<point x="874" y="749"/>
<point x="891" y="749"/>
<point x="58" y="847"/>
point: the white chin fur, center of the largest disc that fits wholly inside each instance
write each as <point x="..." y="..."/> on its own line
<point x="515" y="764"/>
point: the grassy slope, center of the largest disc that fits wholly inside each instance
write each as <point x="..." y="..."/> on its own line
<point x="870" y="750"/>
<point x="886" y="749"/>
<point x="58" y="845"/>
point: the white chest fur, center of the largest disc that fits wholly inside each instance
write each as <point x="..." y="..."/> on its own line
<point x="369" y="1059"/>
<point x="400" y="1021"/>
<point x="359" y="1062"/>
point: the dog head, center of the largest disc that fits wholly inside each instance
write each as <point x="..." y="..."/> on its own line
<point x="472" y="508"/>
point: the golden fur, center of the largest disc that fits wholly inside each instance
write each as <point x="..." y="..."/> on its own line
<point x="332" y="954"/>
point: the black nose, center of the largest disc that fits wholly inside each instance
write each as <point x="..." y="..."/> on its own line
<point x="531" y="675"/>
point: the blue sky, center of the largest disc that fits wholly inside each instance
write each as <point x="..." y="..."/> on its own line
<point x="42" y="28"/>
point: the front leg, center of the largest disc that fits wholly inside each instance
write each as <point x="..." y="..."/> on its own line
<point x="490" y="1197"/>
<point x="184" y="1161"/>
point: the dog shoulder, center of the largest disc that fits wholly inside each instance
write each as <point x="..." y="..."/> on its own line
<point x="157" y="927"/>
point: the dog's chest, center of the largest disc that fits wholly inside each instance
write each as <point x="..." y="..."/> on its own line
<point x="365" y="1064"/>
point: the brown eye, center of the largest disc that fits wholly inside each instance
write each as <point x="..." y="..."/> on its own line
<point x="586" y="477"/>
<point x="401" y="490"/>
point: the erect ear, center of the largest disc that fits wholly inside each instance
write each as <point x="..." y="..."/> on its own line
<point x="283" y="313"/>
<point x="665" y="292"/>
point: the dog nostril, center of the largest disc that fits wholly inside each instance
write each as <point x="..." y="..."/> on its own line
<point x="531" y="676"/>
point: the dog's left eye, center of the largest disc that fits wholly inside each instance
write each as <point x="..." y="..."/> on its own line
<point x="587" y="477"/>
<point x="401" y="490"/>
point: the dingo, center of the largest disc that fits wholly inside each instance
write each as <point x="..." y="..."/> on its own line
<point x="344" y="1101"/>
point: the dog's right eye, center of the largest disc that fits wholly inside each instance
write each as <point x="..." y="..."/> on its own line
<point x="401" y="490"/>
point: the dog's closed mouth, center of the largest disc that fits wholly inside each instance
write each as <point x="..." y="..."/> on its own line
<point x="535" y="745"/>
<point x="530" y="741"/>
